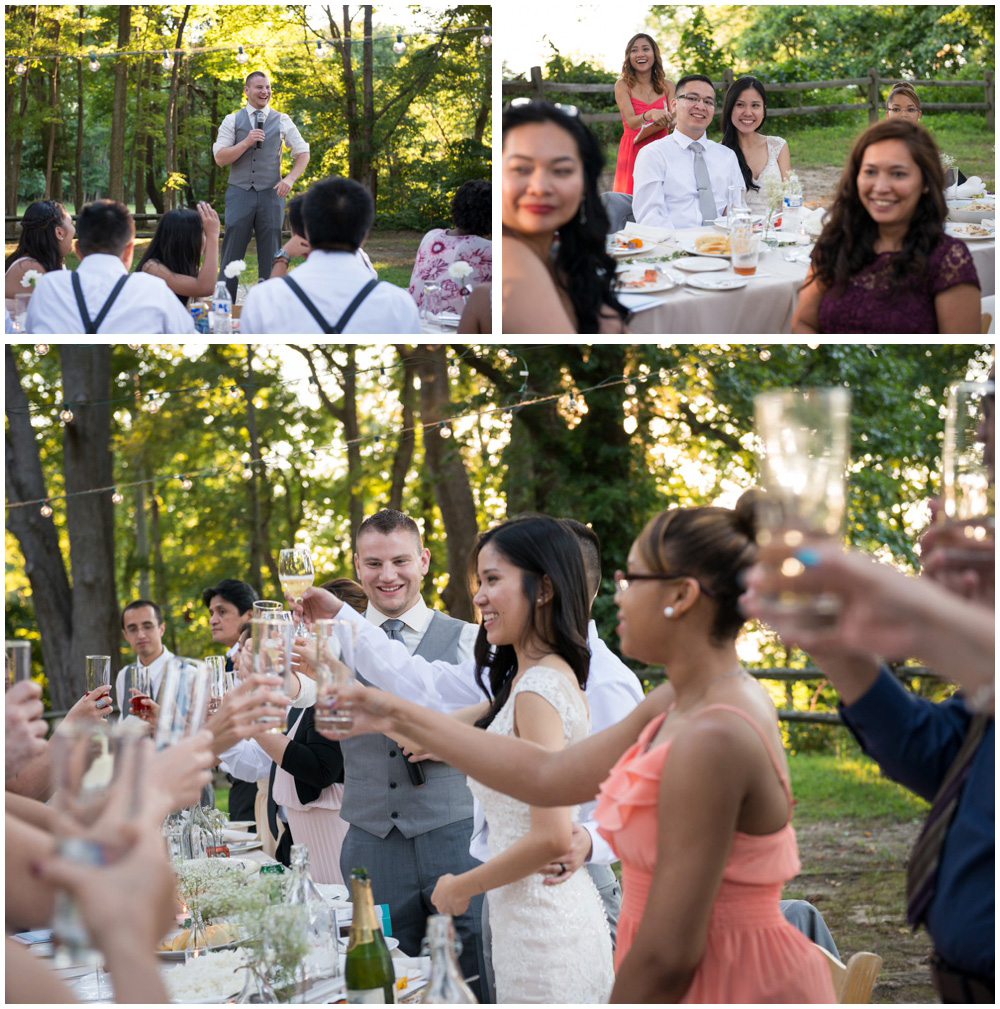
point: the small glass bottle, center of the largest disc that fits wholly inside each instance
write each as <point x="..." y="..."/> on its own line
<point x="322" y="958"/>
<point x="368" y="968"/>
<point x="222" y="309"/>
<point x="446" y="985"/>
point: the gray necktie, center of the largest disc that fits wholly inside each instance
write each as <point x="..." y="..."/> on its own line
<point x="393" y="629"/>
<point x="709" y="212"/>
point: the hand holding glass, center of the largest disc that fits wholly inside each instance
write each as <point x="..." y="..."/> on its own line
<point x="273" y="641"/>
<point x="331" y="673"/>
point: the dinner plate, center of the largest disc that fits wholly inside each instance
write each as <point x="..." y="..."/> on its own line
<point x="688" y="245"/>
<point x="240" y="824"/>
<point x="648" y="249"/>
<point x="960" y="231"/>
<point x="697" y="264"/>
<point x="238" y="847"/>
<point x="640" y="286"/>
<point x="177" y="955"/>
<point x="757" y="219"/>
<point x="727" y="283"/>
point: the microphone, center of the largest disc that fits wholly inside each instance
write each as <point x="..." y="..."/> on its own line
<point x="416" y="772"/>
<point x="260" y="126"/>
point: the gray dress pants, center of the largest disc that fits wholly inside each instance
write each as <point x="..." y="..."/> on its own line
<point x="248" y="213"/>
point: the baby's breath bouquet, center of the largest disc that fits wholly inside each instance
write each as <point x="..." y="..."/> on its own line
<point x="773" y="190"/>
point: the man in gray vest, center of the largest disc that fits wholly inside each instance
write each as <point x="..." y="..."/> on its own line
<point x="250" y="142"/>
<point x="407" y="833"/>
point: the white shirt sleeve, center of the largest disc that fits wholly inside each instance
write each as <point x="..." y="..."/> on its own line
<point x="387" y="664"/>
<point x="246" y="761"/>
<point x="648" y="181"/>
<point x="292" y="138"/>
<point x="227" y="133"/>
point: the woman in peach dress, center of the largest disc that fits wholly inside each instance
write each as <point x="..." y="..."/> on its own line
<point x="696" y="802"/>
<point x="644" y="96"/>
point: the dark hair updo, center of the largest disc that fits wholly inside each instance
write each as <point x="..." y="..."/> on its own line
<point x="714" y="545"/>
<point x="38" y="235"/>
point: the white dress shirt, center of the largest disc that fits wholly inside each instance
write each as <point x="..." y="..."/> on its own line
<point x="664" y="190"/>
<point x="144" y="305"/>
<point x="156" y="669"/>
<point x="331" y="280"/>
<point x="290" y="136"/>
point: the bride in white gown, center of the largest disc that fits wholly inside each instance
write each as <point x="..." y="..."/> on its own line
<point x="551" y="944"/>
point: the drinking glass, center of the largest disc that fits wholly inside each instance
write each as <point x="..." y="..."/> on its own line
<point x="805" y="443"/>
<point x="331" y="673"/>
<point x="98" y="671"/>
<point x="432" y="303"/>
<point x="142" y="684"/>
<point x="744" y="243"/>
<point x="264" y="606"/>
<point x="17" y="661"/>
<point x="97" y="773"/>
<point x="220" y="681"/>
<point x="295" y="572"/>
<point x="272" y="655"/>
<point x="968" y="474"/>
<point x="21" y="309"/>
<point x="183" y="701"/>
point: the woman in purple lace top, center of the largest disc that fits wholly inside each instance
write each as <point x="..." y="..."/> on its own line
<point x="883" y="263"/>
<point x="466" y="242"/>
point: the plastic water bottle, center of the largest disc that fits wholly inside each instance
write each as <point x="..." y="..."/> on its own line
<point x="222" y="309"/>
<point x="792" y="209"/>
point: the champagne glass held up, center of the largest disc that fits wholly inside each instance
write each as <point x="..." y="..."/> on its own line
<point x="295" y="572"/>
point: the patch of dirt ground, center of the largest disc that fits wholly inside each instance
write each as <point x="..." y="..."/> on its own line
<point x="855" y="874"/>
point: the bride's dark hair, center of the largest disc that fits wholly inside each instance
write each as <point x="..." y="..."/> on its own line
<point x="583" y="268"/>
<point x="540" y="546"/>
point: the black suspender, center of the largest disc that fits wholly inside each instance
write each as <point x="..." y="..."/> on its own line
<point x="348" y="312"/>
<point x="88" y="326"/>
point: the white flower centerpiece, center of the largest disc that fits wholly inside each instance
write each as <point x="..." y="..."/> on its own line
<point x="30" y="278"/>
<point x="460" y="271"/>
<point x="235" y="268"/>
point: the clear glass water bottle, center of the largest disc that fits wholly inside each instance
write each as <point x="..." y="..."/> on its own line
<point x="446" y="985"/>
<point x="322" y="960"/>
<point x="222" y="309"/>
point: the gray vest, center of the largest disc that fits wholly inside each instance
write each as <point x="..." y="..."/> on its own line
<point x="255" y="169"/>
<point x="378" y="794"/>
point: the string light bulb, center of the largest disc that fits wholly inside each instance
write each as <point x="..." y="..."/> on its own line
<point x="378" y="446"/>
<point x="234" y="392"/>
<point x="116" y="498"/>
<point x="94" y="63"/>
<point x="241" y="57"/>
<point x="152" y="403"/>
<point x="66" y="414"/>
<point x="167" y="62"/>
<point x="45" y="511"/>
<point x="445" y="431"/>
<point x="247" y="473"/>
<point x="399" y="46"/>
<point x="765" y="355"/>
<point x="186" y="482"/>
<point x="20" y="69"/>
<point x="486" y="38"/>
<point x="41" y="349"/>
<point x="630" y="389"/>
<point x="321" y="51"/>
<point x="134" y="346"/>
<point x="502" y="354"/>
<point x="383" y="379"/>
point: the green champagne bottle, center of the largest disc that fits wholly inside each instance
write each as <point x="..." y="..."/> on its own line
<point x="368" y="968"/>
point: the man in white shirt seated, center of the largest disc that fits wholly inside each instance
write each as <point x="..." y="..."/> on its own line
<point x="101" y="296"/>
<point x="683" y="181"/>
<point x="332" y="291"/>
<point x="142" y="627"/>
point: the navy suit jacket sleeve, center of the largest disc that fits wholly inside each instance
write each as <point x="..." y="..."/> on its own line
<point x="313" y="760"/>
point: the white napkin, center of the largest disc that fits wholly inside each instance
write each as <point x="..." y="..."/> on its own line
<point x="237" y="835"/>
<point x="647" y="231"/>
<point x="968" y="189"/>
<point x="812" y="220"/>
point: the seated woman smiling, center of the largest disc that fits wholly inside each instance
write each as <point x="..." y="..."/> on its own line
<point x="557" y="276"/>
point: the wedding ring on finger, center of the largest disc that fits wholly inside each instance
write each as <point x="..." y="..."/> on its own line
<point x="562" y="866"/>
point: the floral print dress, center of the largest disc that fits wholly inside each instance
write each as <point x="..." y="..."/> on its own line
<point x="438" y="250"/>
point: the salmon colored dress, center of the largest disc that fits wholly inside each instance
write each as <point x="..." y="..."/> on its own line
<point x="752" y="954"/>
<point x="628" y="148"/>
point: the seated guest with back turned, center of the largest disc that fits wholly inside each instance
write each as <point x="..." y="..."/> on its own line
<point x="883" y="263"/>
<point x="101" y="296"/>
<point x="684" y="181"/>
<point x="182" y="237"/>
<point x="333" y="291"/>
<point x="46" y="238"/>
<point x="760" y="157"/>
<point x="466" y="241"/>
<point x="551" y="164"/>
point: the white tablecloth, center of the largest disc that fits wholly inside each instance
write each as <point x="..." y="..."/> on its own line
<point x="765" y="306"/>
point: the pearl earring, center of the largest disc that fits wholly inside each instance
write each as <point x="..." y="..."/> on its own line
<point x="668" y="612"/>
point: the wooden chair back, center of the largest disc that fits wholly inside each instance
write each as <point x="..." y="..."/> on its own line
<point x="853" y="982"/>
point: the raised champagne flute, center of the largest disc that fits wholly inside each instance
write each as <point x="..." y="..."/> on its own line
<point x="331" y="673"/>
<point x="183" y="700"/>
<point x="273" y="641"/>
<point x="17" y="659"/>
<point x="220" y="681"/>
<point x="140" y="689"/>
<point x="805" y="445"/>
<point x="295" y="572"/>
<point x="262" y="607"/>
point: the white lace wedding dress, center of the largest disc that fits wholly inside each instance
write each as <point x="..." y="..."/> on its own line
<point x="550" y="943"/>
<point x="755" y="197"/>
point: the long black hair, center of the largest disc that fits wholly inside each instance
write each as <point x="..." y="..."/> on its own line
<point x="847" y="243"/>
<point x="583" y="268"/>
<point x="38" y="235"/>
<point x="177" y="244"/>
<point x="731" y="135"/>
<point x="539" y="546"/>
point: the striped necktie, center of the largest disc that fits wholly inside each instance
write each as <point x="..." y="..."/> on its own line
<point x="921" y="871"/>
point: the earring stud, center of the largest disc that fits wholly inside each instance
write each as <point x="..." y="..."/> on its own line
<point x="668" y="612"/>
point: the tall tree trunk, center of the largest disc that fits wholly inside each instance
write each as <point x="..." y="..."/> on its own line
<point x="170" y="149"/>
<point x="154" y="194"/>
<point x="404" y="449"/>
<point x="14" y="174"/>
<point x="448" y="476"/>
<point x="368" y="177"/>
<point x="116" y="168"/>
<point x="78" y="153"/>
<point x="139" y="136"/>
<point x="256" y="551"/>
<point x="142" y="561"/>
<point x="50" y="151"/>
<point x="39" y="541"/>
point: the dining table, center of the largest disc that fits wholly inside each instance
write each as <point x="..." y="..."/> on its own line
<point x="765" y="304"/>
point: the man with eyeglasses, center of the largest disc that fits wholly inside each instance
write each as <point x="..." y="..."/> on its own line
<point x="683" y="181"/>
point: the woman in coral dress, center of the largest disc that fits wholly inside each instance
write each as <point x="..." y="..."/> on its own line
<point x="644" y="97"/>
<point x="696" y="803"/>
